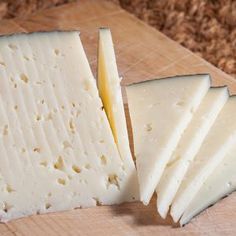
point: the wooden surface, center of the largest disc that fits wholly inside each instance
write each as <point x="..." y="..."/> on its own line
<point x="142" y="53"/>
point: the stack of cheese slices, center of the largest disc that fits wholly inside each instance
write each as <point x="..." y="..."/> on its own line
<point x="64" y="142"/>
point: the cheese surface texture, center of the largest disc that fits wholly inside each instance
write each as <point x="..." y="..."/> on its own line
<point x="160" y="110"/>
<point x="221" y="183"/>
<point x="57" y="151"/>
<point x="188" y="147"/>
<point x="220" y="139"/>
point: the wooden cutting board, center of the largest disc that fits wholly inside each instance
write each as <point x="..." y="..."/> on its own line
<point x="142" y="53"/>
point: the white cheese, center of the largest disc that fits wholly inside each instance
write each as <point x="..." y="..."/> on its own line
<point x="219" y="184"/>
<point x="188" y="147"/>
<point x="160" y="110"/>
<point x="110" y="93"/>
<point x="57" y="151"/>
<point x="217" y="143"/>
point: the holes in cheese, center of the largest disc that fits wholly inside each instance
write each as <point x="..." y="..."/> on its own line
<point x="113" y="180"/>
<point x="6" y="207"/>
<point x="24" y="78"/>
<point x="38" y="117"/>
<point x="47" y="206"/>
<point x="26" y="58"/>
<point x="9" y="188"/>
<point x="59" y="164"/>
<point x="72" y="127"/>
<point x="66" y="144"/>
<point x="148" y="127"/>
<point x="44" y="163"/>
<point x="12" y="46"/>
<point x="76" y="169"/>
<point x="61" y="181"/>
<point x="36" y="149"/>
<point x="56" y="51"/>
<point x="103" y="160"/>
<point x="87" y="166"/>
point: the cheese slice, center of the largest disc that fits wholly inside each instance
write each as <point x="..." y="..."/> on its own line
<point x="57" y="151"/>
<point x="110" y="93"/>
<point x="160" y="110"/>
<point x="217" y="143"/>
<point x="218" y="185"/>
<point x="188" y="147"/>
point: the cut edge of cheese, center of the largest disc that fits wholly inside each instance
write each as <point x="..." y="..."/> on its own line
<point x="108" y="79"/>
<point x="220" y="139"/>
<point x="145" y="100"/>
<point x="111" y="96"/>
<point x="221" y="183"/>
<point x="188" y="146"/>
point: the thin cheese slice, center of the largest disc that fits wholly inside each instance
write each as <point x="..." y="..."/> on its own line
<point x="110" y="92"/>
<point x="218" y="142"/>
<point x="188" y="147"/>
<point x="160" y="110"/>
<point x="221" y="183"/>
<point x="57" y="151"/>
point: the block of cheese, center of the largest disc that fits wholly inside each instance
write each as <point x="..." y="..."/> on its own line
<point x="218" y="185"/>
<point x="188" y="147"/>
<point x="160" y="110"/>
<point x="217" y="143"/>
<point x="57" y="151"/>
<point x="110" y="93"/>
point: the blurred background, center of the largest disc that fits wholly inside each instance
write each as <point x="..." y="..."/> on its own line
<point x="206" y="27"/>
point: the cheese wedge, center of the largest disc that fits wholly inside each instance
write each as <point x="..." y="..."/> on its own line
<point x="221" y="183"/>
<point x="217" y="143"/>
<point x="188" y="147"/>
<point x="160" y="110"/>
<point x="110" y="93"/>
<point x="57" y="151"/>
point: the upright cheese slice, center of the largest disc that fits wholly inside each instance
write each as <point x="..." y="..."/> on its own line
<point x="160" y="110"/>
<point x="218" y="142"/>
<point x="110" y="92"/>
<point x="188" y="147"/>
<point x="57" y="151"/>
<point x="221" y="183"/>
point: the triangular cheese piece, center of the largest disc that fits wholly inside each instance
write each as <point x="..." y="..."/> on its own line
<point x="160" y="110"/>
<point x="110" y="92"/>
<point x="219" y="184"/>
<point x="218" y="142"/>
<point x="57" y="151"/>
<point x="188" y="147"/>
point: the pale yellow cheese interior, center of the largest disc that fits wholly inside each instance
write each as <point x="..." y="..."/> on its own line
<point x="104" y="91"/>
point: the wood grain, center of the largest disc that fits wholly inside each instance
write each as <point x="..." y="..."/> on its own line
<point x="142" y="53"/>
